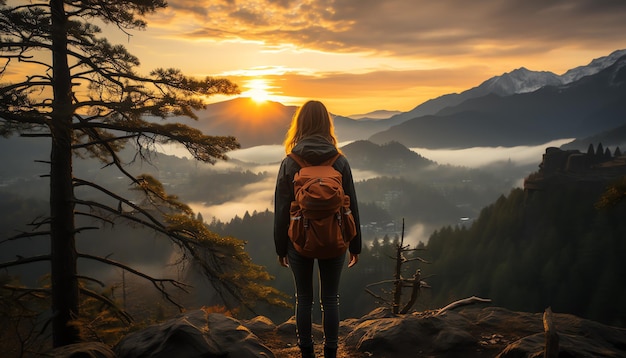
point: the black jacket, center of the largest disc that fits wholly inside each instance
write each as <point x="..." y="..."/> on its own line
<point x="314" y="150"/>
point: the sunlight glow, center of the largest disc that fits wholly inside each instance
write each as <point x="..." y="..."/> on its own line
<point x="258" y="90"/>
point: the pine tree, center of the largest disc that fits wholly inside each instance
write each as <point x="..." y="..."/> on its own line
<point x="89" y="101"/>
<point x="590" y="150"/>
<point x="599" y="151"/>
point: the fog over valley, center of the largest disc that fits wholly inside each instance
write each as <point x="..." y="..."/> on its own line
<point x="478" y="157"/>
<point x="258" y="196"/>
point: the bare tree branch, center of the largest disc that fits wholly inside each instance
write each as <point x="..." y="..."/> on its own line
<point x="159" y="284"/>
<point x="98" y="217"/>
<point x="383" y="299"/>
<point x="127" y="317"/>
<point x="417" y="259"/>
<point x="25" y="235"/>
<point x="24" y="260"/>
<point x="463" y="302"/>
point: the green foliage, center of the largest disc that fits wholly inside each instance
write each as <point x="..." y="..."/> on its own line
<point x="615" y="193"/>
<point x="528" y="251"/>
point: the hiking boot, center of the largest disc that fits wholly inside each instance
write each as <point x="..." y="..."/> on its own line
<point x="330" y="352"/>
<point x="308" y="352"/>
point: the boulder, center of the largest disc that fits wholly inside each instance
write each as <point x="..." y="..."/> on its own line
<point x="287" y="330"/>
<point x="259" y="325"/>
<point x="479" y="332"/>
<point x="578" y="338"/>
<point x="407" y="335"/>
<point x="193" y="334"/>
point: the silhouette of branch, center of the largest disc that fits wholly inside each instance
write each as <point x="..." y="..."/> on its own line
<point x="83" y="228"/>
<point x="27" y="291"/>
<point x="25" y="235"/>
<point x="35" y="135"/>
<point x="380" y="282"/>
<point x="24" y="260"/>
<point x="383" y="299"/>
<point x="153" y="223"/>
<point x="94" y="216"/>
<point x="102" y="141"/>
<point x="123" y="314"/>
<point x="158" y="283"/>
<point x="87" y="278"/>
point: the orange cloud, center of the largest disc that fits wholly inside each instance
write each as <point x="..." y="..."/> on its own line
<point x="413" y="28"/>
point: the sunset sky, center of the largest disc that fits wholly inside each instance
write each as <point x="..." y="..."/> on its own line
<point x="364" y="55"/>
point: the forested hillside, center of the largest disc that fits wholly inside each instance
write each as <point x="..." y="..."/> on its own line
<point x="530" y="251"/>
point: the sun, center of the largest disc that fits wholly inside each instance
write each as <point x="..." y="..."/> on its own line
<point x="258" y="90"/>
<point x="258" y="95"/>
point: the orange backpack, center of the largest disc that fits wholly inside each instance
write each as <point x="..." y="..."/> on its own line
<point x="321" y="224"/>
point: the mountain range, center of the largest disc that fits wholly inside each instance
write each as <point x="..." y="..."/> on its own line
<point x="587" y="106"/>
<point x="515" y="108"/>
<point x="517" y="81"/>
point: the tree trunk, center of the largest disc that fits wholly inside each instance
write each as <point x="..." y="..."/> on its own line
<point x="397" y="292"/>
<point x="63" y="249"/>
<point x="551" y="349"/>
<point x="415" y="290"/>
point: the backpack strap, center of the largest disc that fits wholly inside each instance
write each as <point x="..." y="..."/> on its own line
<point x="331" y="160"/>
<point x="303" y="163"/>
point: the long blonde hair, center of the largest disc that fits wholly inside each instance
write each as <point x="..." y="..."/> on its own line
<point x="310" y="119"/>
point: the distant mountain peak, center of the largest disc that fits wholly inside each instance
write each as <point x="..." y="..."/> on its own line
<point x="376" y="115"/>
<point x="595" y="66"/>
<point x="520" y="80"/>
<point x="520" y="70"/>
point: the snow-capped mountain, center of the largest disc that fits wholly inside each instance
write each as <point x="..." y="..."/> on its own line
<point x="593" y="104"/>
<point x="592" y="68"/>
<point x="517" y="81"/>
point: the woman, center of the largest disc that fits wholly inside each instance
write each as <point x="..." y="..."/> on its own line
<point x="311" y="136"/>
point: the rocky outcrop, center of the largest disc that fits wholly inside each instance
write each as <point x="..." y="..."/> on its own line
<point x="480" y="332"/>
<point x="594" y="168"/>
<point x="194" y="334"/>
<point x="469" y="332"/>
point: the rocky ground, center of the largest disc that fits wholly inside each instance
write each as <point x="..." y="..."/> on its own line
<point x="469" y="332"/>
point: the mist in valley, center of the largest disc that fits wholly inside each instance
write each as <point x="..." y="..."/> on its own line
<point x="501" y="163"/>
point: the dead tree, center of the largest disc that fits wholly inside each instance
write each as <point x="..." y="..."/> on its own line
<point x="551" y="349"/>
<point x="399" y="282"/>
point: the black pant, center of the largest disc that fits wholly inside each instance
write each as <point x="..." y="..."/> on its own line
<point x="329" y="276"/>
